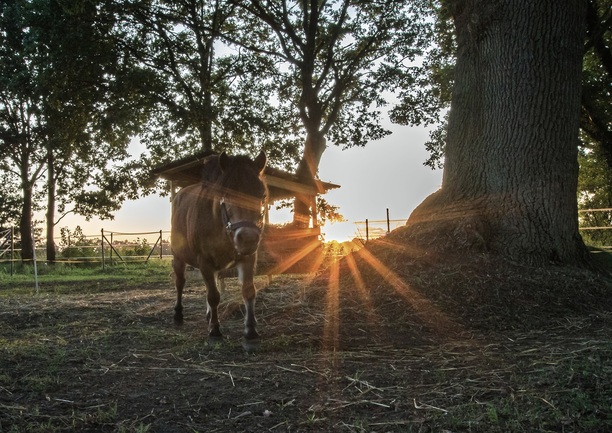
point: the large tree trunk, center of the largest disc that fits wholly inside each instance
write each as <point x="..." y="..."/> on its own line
<point x="306" y="172"/>
<point x="510" y="175"/>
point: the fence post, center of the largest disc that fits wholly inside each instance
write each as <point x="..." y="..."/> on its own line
<point x="102" y="244"/>
<point x="111" y="249"/>
<point x="388" y="222"/>
<point x="12" y="249"/>
<point x="35" y="267"/>
<point x="158" y="241"/>
<point x="161" y="245"/>
<point x="367" y="230"/>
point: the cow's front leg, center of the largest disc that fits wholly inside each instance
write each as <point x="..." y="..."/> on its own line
<point x="246" y="270"/>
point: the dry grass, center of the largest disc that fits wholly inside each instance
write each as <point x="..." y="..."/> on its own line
<point x="386" y="340"/>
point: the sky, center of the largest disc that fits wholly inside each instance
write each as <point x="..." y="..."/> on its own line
<point x="386" y="174"/>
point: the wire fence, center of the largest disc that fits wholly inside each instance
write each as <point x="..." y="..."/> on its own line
<point x="105" y="249"/>
<point x="112" y="247"/>
<point x="7" y="246"/>
<point x="595" y="227"/>
<point x="591" y="221"/>
<point x="373" y="229"/>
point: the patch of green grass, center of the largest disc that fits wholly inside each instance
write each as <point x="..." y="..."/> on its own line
<point x="40" y="383"/>
<point x="46" y="360"/>
<point x="36" y="427"/>
<point x="67" y="277"/>
<point x="134" y="428"/>
<point x="601" y="257"/>
<point x="566" y="392"/>
<point x="104" y="415"/>
<point x="78" y="420"/>
<point x="358" y="425"/>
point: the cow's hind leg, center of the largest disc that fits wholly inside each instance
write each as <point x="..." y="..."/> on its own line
<point x="212" y="299"/>
<point x="178" y="267"/>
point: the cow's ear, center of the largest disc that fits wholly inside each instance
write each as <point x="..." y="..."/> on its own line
<point x="223" y="161"/>
<point x="260" y="161"/>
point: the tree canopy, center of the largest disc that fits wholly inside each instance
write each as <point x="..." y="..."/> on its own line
<point x="80" y="79"/>
<point x="339" y="61"/>
<point x="596" y="118"/>
<point x="67" y="108"/>
<point x="207" y="94"/>
<point x="596" y="115"/>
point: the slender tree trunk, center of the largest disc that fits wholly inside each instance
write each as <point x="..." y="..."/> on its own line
<point x="25" y="225"/>
<point x="205" y="130"/>
<point x="51" y="250"/>
<point x="510" y="175"/>
<point x="206" y="51"/>
<point x="206" y="117"/>
<point x="306" y="172"/>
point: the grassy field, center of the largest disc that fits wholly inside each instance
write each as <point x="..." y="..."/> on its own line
<point x="379" y="342"/>
<point x="23" y="276"/>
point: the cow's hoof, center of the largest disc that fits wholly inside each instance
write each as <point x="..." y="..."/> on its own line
<point x="251" y="345"/>
<point x="215" y="337"/>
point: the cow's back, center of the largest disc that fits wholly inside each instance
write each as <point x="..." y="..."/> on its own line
<point x="192" y="230"/>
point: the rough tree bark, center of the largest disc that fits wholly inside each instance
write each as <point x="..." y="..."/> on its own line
<point x="306" y="172"/>
<point x="25" y="224"/>
<point x="510" y="175"/>
<point x="51" y="187"/>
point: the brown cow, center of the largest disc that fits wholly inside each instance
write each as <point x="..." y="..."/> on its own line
<point x="216" y="225"/>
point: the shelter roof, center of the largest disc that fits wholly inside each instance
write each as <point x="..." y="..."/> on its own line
<point x="281" y="184"/>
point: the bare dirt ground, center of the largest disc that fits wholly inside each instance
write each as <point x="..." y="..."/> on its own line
<point x="382" y="342"/>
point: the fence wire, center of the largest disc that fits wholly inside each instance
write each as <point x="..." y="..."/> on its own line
<point x="120" y="246"/>
<point x="135" y="247"/>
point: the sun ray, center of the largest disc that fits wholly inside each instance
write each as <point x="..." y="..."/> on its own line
<point x="372" y="317"/>
<point x="295" y="257"/>
<point x="331" y="327"/>
<point x="402" y="247"/>
<point x="316" y="266"/>
<point x="422" y="306"/>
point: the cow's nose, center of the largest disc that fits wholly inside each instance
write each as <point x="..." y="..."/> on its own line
<point x="246" y="240"/>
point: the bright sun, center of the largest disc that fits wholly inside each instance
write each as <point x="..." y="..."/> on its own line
<point x="339" y="231"/>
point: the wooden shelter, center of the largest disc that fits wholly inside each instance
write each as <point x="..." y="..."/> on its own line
<point x="285" y="248"/>
<point x="281" y="184"/>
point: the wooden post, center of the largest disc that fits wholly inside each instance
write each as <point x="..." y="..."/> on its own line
<point x="35" y="267"/>
<point x="388" y="222"/>
<point x="161" y="245"/>
<point x="102" y="246"/>
<point x="172" y="192"/>
<point x="367" y="230"/>
<point x="172" y="196"/>
<point x="314" y="212"/>
<point x="12" y="249"/>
